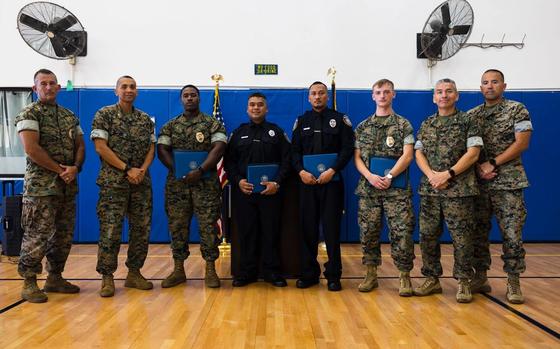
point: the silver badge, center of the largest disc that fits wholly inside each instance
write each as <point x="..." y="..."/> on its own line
<point x="199" y="137"/>
<point x="332" y="122"/>
<point x="390" y="141"/>
<point x="321" y="168"/>
<point x="193" y="165"/>
<point x="271" y="133"/>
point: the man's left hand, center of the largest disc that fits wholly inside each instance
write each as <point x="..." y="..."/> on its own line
<point x="326" y="176"/>
<point x="193" y="176"/>
<point x="69" y="173"/>
<point x="271" y="188"/>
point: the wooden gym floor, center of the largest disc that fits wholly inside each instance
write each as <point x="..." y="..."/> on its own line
<point x="262" y="316"/>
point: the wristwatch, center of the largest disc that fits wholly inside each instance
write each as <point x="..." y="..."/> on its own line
<point x="451" y="172"/>
<point x="126" y="169"/>
<point x="389" y="175"/>
<point x="493" y="163"/>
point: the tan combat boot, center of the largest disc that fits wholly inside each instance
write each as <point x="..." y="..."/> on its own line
<point x="135" y="280"/>
<point x="211" y="279"/>
<point x="31" y="291"/>
<point x="56" y="283"/>
<point x="430" y="286"/>
<point x="370" y="280"/>
<point x="405" y="285"/>
<point x="464" y="294"/>
<point x="177" y="276"/>
<point x="107" y="286"/>
<point x="479" y="283"/>
<point x="513" y="293"/>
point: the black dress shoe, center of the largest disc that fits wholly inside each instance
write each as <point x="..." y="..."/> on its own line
<point x="240" y="282"/>
<point x="305" y="283"/>
<point x="334" y="285"/>
<point x="276" y="280"/>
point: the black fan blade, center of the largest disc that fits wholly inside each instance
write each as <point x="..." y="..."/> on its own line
<point x="57" y="43"/>
<point x="63" y="24"/>
<point x="445" y="15"/>
<point x="461" y="29"/>
<point x="33" y="23"/>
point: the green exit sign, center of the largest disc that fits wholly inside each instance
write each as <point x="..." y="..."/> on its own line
<point x="266" y="69"/>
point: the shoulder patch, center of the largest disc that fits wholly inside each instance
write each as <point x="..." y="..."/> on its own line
<point x="347" y="121"/>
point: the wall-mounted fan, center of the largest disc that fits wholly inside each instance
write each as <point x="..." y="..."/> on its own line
<point x="447" y="29"/>
<point x="52" y="30"/>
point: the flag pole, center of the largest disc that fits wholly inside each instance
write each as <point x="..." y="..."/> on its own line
<point x="224" y="246"/>
<point x="331" y="73"/>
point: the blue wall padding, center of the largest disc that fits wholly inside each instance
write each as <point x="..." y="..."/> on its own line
<point x="542" y="160"/>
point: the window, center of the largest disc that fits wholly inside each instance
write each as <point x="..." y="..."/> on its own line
<point x="12" y="156"/>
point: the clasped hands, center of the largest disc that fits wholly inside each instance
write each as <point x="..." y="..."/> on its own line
<point x="486" y="170"/>
<point x="247" y="188"/>
<point x="324" y="178"/>
<point x="68" y="174"/>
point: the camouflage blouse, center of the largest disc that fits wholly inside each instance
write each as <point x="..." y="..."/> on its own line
<point x="58" y="128"/>
<point x="444" y="140"/>
<point x="382" y="137"/>
<point x="129" y="136"/>
<point x="498" y="125"/>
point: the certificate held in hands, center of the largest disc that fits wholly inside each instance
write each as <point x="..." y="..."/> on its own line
<point x="257" y="173"/>
<point x="381" y="166"/>
<point x="185" y="161"/>
<point x="319" y="163"/>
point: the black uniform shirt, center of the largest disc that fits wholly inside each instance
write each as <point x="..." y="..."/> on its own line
<point x="336" y="136"/>
<point x="251" y="143"/>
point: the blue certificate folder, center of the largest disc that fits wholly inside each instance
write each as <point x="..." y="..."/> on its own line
<point x="319" y="163"/>
<point x="185" y="161"/>
<point x="381" y="166"/>
<point x="257" y="173"/>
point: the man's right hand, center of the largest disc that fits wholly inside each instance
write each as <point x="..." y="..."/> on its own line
<point x="245" y="187"/>
<point x="307" y="178"/>
<point x="135" y="175"/>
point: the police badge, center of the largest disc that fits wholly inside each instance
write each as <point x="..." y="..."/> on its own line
<point x="271" y="133"/>
<point x="199" y="137"/>
<point x="390" y="141"/>
<point x="332" y="123"/>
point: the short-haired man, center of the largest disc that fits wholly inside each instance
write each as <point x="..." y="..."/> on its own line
<point x="506" y="130"/>
<point x="385" y="135"/>
<point x="447" y="147"/>
<point x="195" y="193"/>
<point x="258" y="214"/>
<point x="53" y="142"/>
<point x="124" y="139"/>
<point x="321" y="131"/>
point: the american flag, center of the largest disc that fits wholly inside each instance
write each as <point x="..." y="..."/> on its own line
<point x="217" y="113"/>
<point x="221" y="224"/>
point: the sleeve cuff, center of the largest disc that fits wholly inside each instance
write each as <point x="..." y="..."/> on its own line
<point x="474" y="142"/>
<point x="409" y="139"/>
<point x="165" y="140"/>
<point x="218" y="137"/>
<point x="30" y="125"/>
<point x="523" y="126"/>
<point x="97" y="133"/>
<point x="418" y="145"/>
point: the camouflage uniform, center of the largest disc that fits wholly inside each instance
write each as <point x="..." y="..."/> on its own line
<point x="503" y="195"/>
<point x="49" y="208"/>
<point x="202" y="198"/>
<point x="444" y="140"/>
<point x="129" y="136"/>
<point x="385" y="137"/>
